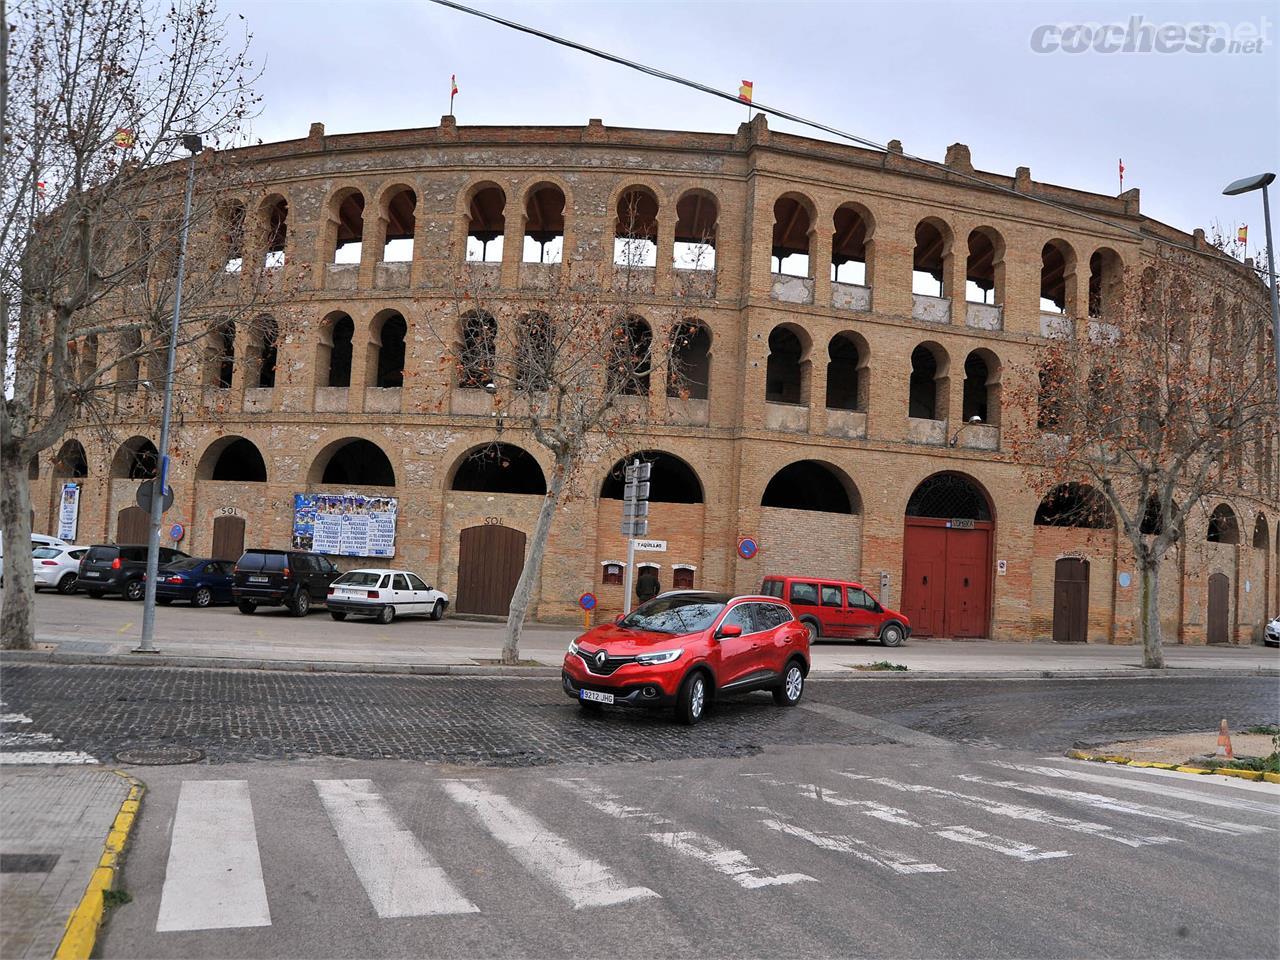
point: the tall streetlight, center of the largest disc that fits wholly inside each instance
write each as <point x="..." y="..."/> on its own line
<point x="1260" y="182"/>
<point x="160" y="484"/>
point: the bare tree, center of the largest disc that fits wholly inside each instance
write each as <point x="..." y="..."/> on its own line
<point x="1157" y="405"/>
<point x="573" y="372"/>
<point x="93" y="97"/>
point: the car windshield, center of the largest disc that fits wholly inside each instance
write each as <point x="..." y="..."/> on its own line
<point x="44" y="553"/>
<point x="186" y="563"/>
<point x="681" y="613"/>
<point x="358" y="578"/>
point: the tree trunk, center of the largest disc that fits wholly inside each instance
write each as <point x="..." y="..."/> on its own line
<point x="1149" y="617"/>
<point x="17" y="626"/>
<point x="532" y="565"/>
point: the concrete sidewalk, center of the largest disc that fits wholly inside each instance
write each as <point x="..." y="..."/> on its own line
<point x="468" y="647"/>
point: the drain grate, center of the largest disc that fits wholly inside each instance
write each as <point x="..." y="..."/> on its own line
<point x="159" y="756"/>
<point x="27" y="862"/>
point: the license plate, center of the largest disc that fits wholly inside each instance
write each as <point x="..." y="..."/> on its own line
<point x="259" y="579"/>
<point x="92" y="573"/>
<point x="596" y="696"/>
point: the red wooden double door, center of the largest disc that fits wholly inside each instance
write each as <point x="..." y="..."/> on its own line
<point x="946" y="578"/>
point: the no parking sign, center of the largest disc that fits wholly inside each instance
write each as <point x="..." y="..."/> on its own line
<point x="747" y="548"/>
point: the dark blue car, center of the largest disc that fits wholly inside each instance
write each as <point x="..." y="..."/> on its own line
<point x="201" y="581"/>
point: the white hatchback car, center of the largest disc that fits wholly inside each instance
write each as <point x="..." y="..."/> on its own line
<point x="56" y="568"/>
<point x="38" y="540"/>
<point x="384" y="595"/>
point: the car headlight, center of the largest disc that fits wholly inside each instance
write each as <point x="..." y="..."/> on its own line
<point x="660" y="656"/>
<point x="573" y="646"/>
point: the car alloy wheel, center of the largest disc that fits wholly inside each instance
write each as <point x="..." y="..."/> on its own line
<point x="437" y="611"/>
<point x="135" y="590"/>
<point x="814" y="633"/>
<point x="788" y="692"/>
<point x="67" y="584"/>
<point x="692" y="699"/>
<point x="386" y="614"/>
<point x="301" y="604"/>
<point x="202" y="597"/>
<point x="891" y="636"/>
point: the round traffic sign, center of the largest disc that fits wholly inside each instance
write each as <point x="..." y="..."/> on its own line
<point x="587" y="601"/>
<point x="177" y="532"/>
<point x="747" y="547"/>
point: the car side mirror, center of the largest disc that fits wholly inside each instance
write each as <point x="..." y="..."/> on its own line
<point x="729" y="630"/>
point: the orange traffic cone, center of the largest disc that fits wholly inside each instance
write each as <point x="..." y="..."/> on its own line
<point x="1224" y="742"/>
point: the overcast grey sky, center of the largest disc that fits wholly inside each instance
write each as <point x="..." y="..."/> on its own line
<point x="926" y="73"/>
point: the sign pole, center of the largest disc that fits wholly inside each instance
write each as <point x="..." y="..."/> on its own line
<point x="629" y="583"/>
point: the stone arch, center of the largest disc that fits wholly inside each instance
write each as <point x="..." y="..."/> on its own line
<point x="1261" y="540"/>
<point x="671" y="479"/>
<point x="689" y="366"/>
<point x="477" y="348"/>
<point x="334" y="350"/>
<point x="1075" y="505"/>
<point x="931" y="258"/>
<point x="232" y="458"/>
<point x="136" y="459"/>
<point x="1057" y="270"/>
<point x="697" y="220"/>
<point x="1223" y="526"/>
<point x="981" y="396"/>
<point x="794" y="216"/>
<point x="388" y="333"/>
<point x="342" y="233"/>
<point x="930" y="382"/>
<point x="352" y="462"/>
<point x="814" y="485"/>
<point x="635" y="226"/>
<point x="1106" y="282"/>
<point x="71" y="460"/>
<point x="787" y="367"/>
<point x="950" y="494"/>
<point x="848" y="372"/>
<point x="397" y="206"/>
<point x="544" y="205"/>
<point x="271" y="229"/>
<point x="852" y="243"/>
<point x="984" y="267"/>
<point x="497" y="468"/>
<point x="232" y="215"/>
<point x="631" y="353"/>
<point x="484" y="213"/>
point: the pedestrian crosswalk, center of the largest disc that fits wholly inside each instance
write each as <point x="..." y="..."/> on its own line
<point x="592" y="843"/>
<point x="22" y="744"/>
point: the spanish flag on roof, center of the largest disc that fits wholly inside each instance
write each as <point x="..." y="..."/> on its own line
<point x="1242" y="235"/>
<point x="124" y="137"/>
<point x="744" y="91"/>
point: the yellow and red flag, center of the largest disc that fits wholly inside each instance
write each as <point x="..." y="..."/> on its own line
<point x="1242" y="235"/>
<point x="744" y="91"/>
<point x="124" y="138"/>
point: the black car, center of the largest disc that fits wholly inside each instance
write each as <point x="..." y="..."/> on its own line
<point x="119" y="568"/>
<point x="288" y="578"/>
<point x="202" y="581"/>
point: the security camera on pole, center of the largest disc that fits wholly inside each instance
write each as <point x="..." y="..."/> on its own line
<point x="635" y="519"/>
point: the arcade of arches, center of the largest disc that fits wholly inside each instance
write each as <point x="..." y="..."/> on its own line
<point x="956" y="559"/>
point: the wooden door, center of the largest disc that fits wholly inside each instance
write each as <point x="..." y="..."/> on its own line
<point x="133" y="526"/>
<point x="490" y="558"/>
<point x="967" y="586"/>
<point x="923" y="577"/>
<point x="946" y="578"/>
<point x="1219" y="607"/>
<point x="1071" y="600"/>
<point x="228" y="538"/>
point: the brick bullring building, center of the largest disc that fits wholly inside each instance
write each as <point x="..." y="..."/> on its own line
<point x="845" y="409"/>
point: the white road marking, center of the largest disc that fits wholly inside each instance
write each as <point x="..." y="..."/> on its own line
<point x="1015" y="811"/>
<point x="14" y="718"/>
<point x="395" y="869"/>
<point x="732" y="863"/>
<point x="1101" y="802"/>
<point x="26" y="739"/>
<point x="1160" y="789"/>
<point x="214" y="877"/>
<point x="45" y="756"/>
<point x="1228" y="783"/>
<point x="585" y="882"/>
<point x="960" y="834"/>
<point x="842" y="843"/>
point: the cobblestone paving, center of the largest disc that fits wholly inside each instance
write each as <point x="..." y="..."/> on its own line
<point x="244" y="715"/>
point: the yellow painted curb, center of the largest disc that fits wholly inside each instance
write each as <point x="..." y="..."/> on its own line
<point x="1192" y="770"/>
<point x="1271" y="777"/>
<point x="1220" y="771"/>
<point x="82" y="926"/>
<point x="1243" y="774"/>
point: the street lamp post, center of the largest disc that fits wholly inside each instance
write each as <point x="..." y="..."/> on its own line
<point x="193" y="144"/>
<point x="1248" y="184"/>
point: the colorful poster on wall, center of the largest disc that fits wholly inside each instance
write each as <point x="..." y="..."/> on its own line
<point x="345" y="524"/>
<point x="69" y="512"/>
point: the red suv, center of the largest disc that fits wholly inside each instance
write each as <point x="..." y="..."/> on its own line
<point x="838" y="609"/>
<point x="684" y="648"/>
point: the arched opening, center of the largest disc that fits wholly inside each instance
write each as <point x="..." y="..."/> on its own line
<point x="387" y="359"/>
<point x="231" y="219"/>
<point x="1106" y="282"/>
<point x="792" y="224"/>
<point x="334" y="363"/>
<point x="222" y="355"/>
<point x="984" y="270"/>
<point x="129" y="367"/>
<point x="784" y="373"/>
<point x="928" y="386"/>
<point x="946" y="577"/>
<point x="232" y="458"/>
<point x="1223" y="527"/>
<point x="1261" y="541"/>
<point x="695" y="245"/>
<point x="33" y="468"/>
<point x="476" y="349"/>
<point x="544" y="225"/>
<point x="635" y="229"/>
<point x="346" y="226"/>
<point x="982" y="388"/>
<point x="929" y="259"/>
<point x="71" y="460"/>
<point x="136" y="459"/>
<point x="812" y="485"/>
<point x="353" y="462"/>
<point x="1075" y="505"/>
<point x="535" y="360"/>
<point x="1057" y="262"/>
<point x="274" y="231"/>
<point x="849" y="246"/>
<point x="499" y="468"/>
<point x="671" y="480"/>
<point x="847" y="386"/>
<point x="400" y="209"/>
<point x="268" y="351"/>
<point x="1051" y="411"/>
<point x="486" y="224"/>
<point x="1152" y="524"/>
<point x="629" y="357"/>
<point x="689" y="368"/>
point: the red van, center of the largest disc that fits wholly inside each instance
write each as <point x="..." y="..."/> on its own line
<point x="838" y="609"/>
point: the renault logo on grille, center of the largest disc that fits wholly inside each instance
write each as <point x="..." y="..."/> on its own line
<point x="601" y="657"/>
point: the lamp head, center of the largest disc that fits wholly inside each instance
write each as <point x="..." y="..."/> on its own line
<point x="1249" y="183"/>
